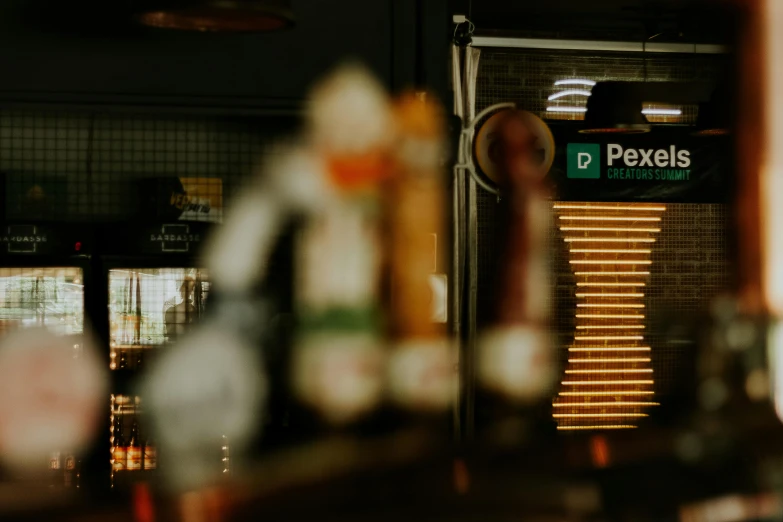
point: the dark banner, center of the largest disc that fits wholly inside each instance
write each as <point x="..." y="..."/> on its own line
<point x="173" y="238"/>
<point x="660" y="166"/>
<point x="42" y="239"/>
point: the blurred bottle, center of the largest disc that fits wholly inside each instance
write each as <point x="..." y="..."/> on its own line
<point x="516" y="358"/>
<point x="134" y="456"/>
<point x="123" y="365"/>
<point x="421" y="367"/>
<point x="69" y="471"/>
<point x="55" y="468"/>
<point x="120" y="446"/>
<point x="150" y="456"/>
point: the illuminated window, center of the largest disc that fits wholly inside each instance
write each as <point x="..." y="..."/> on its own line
<point x="151" y="307"/>
<point x="52" y="297"/>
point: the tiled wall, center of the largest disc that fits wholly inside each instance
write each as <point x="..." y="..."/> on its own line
<point x="87" y="161"/>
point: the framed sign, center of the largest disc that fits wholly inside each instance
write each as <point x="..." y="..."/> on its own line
<point x="173" y="238"/>
<point x="660" y="166"/>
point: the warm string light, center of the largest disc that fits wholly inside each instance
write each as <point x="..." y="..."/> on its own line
<point x="597" y="383"/>
<point x="605" y="393"/>
<point x="611" y="349"/>
<point x="616" y="360"/>
<point x="111" y="440"/>
<point x="608" y="218"/>
<point x="609" y="316"/>
<point x="609" y="229"/>
<point x="611" y="327"/>
<point x="608" y="337"/>
<point x="603" y="404"/>
<point x="609" y="240"/>
<point x="599" y="246"/>
<point x="627" y="273"/>
<point x="610" y="251"/>
<point x="598" y="427"/>
<point x="625" y="370"/>
<point x="611" y="285"/>
<point x="226" y="455"/>
<point x="610" y="305"/>
<point x="573" y="206"/>
<point x="609" y="294"/>
<point x="577" y="415"/>
<point x="610" y="262"/>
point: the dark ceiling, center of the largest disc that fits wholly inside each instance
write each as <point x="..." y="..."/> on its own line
<point x="703" y="21"/>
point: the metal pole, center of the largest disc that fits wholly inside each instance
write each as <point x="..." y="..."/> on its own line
<point x="597" y="45"/>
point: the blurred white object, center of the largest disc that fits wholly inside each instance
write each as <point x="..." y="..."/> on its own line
<point x="775" y="358"/>
<point x="294" y="183"/>
<point x="439" y="286"/>
<point x="518" y="362"/>
<point x="338" y="259"/>
<point x="422" y="373"/>
<point x="339" y="374"/>
<point x="50" y="400"/>
<point x="349" y="113"/>
<point x="734" y="508"/>
<point x="208" y="388"/>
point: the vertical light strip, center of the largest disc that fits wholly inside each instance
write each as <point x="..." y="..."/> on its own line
<point x="610" y="323"/>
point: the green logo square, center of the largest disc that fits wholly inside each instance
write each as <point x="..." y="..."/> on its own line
<point x="584" y="160"/>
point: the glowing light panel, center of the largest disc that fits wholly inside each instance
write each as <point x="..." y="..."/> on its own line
<point x="610" y="363"/>
<point x="569" y="92"/>
<point x="576" y="81"/>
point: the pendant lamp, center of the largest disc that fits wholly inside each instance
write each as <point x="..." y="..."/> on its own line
<point x="615" y="108"/>
<point x="216" y="15"/>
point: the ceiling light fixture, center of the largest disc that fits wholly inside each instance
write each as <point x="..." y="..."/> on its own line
<point x="576" y="81"/>
<point x="566" y="109"/>
<point x="569" y="92"/>
<point x="216" y="15"/>
<point x="662" y="112"/>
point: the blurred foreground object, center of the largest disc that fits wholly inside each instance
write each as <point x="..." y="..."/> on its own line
<point x="338" y="356"/>
<point x="52" y="395"/>
<point x="362" y="164"/>
<point x="207" y="389"/>
<point x="515" y="357"/>
<point x="423" y="363"/>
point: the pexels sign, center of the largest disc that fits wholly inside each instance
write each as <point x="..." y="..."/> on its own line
<point x="666" y="167"/>
<point x="585" y="161"/>
<point x="644" y="157"/>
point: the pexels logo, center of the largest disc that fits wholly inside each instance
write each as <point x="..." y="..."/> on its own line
<point x="670" y="157"/>
<point x="584" y="160"/>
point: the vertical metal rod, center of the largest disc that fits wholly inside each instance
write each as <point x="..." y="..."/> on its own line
<point x="470" y="359"/>
<point x="471" y="244"/>
<point x="458" y="183"/>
